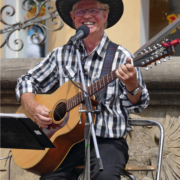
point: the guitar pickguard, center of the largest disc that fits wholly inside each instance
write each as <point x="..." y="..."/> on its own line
<point x="50" y="131"/>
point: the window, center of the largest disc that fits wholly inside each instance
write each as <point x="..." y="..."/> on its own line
<point x="23" y="47"/>
<point x="161" y="14"/>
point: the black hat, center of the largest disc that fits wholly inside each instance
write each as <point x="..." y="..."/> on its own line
<point x="115" y="10"/>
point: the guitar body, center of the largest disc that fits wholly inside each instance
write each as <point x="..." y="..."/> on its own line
<point x="67" y="133"/>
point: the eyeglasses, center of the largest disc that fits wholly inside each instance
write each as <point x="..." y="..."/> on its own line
<point x="92" y="12"/>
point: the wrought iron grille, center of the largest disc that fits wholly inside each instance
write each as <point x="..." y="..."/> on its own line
<point x="51" y="13"/>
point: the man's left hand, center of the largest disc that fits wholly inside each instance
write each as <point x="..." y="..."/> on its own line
<point x="127" y="74"/>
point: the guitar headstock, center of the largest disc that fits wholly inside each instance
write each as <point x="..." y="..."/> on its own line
<point x="153" y="54"/>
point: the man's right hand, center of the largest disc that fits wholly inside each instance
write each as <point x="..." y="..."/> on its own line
<point x="38" y="112"/>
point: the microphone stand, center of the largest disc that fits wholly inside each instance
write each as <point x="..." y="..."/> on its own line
<point x="89" y="122"/>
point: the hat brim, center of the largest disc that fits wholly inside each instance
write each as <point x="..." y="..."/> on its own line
<point x="115" y="12"/>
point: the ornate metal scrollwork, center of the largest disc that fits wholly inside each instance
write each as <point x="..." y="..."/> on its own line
<point x="33" y="21"/>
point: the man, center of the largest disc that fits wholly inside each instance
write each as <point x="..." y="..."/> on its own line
<point x="127" y="93"/>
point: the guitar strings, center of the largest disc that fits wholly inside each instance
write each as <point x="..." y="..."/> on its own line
<point x="60" y="111"/>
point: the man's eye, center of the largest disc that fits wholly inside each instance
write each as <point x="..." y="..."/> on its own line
<point x="80" y="12"/>
<point x="94" y="11"/>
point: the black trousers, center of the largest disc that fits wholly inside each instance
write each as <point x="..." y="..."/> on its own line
<point x="114" y="155"/>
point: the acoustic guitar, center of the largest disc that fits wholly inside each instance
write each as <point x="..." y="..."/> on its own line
<point x="64" y="104"/>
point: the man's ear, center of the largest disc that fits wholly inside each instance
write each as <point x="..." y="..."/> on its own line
<point x="72" y="16"/>
<point x="106" y="15"/>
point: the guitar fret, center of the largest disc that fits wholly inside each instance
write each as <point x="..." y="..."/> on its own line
<point x="67" y="105"/>
<point x="99" y="84"/>
<point x="103" y="81"/>
<point x="107" y="80"/>
<point x="111" y="76"/>
<point x="71" y="103"/>
<point x="96" y="86"/>
<point x="74" y="101"/>
<point x="114" y="74"/>
<point x="89" y="90"/>
<point x="91" y="87"/>
<point x="77" y="98"/>
<point x="81" y="96"/>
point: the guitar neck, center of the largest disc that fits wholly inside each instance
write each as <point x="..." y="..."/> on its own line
<point x="143" y="59"/>
<point x="101" y="83"/>
<point x="95" y="87"/>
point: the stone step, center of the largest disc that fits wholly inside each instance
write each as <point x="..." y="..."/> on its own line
<point x="26" y="176"/>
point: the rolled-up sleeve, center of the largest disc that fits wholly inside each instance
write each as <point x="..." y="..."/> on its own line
<point x="42" y="77"/>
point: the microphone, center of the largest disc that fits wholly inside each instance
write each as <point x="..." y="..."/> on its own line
<point x="81" y="33"/>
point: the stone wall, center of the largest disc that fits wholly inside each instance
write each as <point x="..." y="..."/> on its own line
<point x="163" y="83"/>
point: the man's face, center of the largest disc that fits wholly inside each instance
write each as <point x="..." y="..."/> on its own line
<point x="94" y="22"/>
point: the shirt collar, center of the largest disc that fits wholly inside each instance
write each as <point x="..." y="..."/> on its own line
<point x="100" y="48"/>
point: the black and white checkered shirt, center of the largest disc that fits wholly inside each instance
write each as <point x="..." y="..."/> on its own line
<point x="115" y="106"/>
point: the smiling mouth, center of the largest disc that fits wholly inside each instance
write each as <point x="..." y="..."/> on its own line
<point x="88" y="23"/>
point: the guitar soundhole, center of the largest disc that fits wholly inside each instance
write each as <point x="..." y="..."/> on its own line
<point x="60" y="111"/>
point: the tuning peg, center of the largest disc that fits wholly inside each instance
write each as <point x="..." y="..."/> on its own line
<point x="145" y="50"/>
<point x="149" y="48"/>
<point x="154" y="47"/>
<point x="169" y="57"/>
<point x="159" y="62"/>
<point x="146" y="68"/>
<point x="164" y="60"/>
<point x="147" y="60"/>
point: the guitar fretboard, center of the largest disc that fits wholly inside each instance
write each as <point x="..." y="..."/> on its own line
<point x="139" y="61"/>
<point x="95" y="87"/>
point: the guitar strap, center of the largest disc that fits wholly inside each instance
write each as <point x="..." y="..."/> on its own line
<point x="107" y="66"/>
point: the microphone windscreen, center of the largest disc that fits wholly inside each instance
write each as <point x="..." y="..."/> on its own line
<point x="85" y="29"/>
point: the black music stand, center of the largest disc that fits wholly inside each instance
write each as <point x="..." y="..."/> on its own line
<point x="22" y="133"/>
